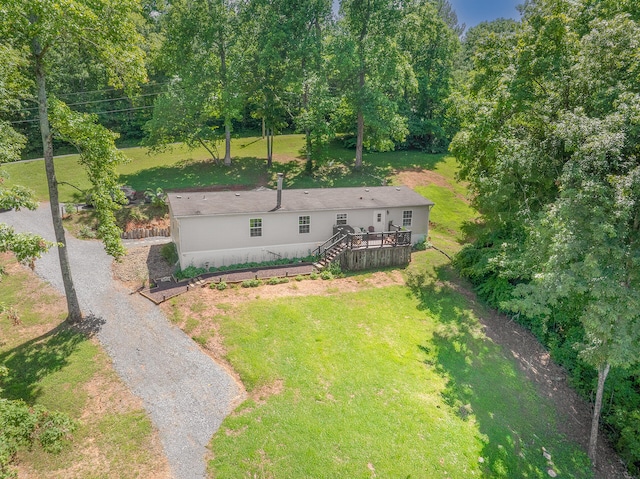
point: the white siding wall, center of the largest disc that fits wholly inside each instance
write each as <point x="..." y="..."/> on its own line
<point x="223" y="240"/>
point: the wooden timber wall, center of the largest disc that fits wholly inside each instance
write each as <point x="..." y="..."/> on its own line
<point x="372" y="258"/>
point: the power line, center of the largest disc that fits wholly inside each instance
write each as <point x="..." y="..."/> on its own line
<point x="109" y="89"/>
<point x="90" y="102"/>
<point x="93" y="113"/>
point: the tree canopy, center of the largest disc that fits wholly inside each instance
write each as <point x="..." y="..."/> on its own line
<point x="550" y="147"/>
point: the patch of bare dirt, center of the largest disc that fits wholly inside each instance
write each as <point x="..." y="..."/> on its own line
<point x="147" y="224"/>
<point x="420" y="177"/>
<point x="141" y="264"/>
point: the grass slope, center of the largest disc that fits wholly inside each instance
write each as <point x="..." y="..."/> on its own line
<point x="380" y="381"/>
<point x="60" y="368"/>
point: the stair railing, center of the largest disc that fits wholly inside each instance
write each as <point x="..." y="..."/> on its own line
<point x="321" y="251"/>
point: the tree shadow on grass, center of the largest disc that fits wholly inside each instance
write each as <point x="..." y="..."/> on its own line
<point x="34" y="360"/>
<point x="190" y="174"/>
<point x="484" y="385"/>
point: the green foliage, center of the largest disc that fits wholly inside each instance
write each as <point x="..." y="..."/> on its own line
<point x="274" y="281"/>
<point x="420" y="245"/>
<point x="158" y="198"/>
<point x="190" y="272"/>
<point x="26" y="247"/>
<point x="169" y="253"/>
<point x="220" y="286"/>
<point x="549" y="145"/>
<point x="86" y="232"/>
<point x="98" y="154"/>
<point x="251" y="283"/>
<point x="22" y="425"/>
<point x="326" y="274"/>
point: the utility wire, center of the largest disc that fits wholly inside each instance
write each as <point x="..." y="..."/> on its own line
<point x="92" y="113"/>
<point x="90" y="102"/>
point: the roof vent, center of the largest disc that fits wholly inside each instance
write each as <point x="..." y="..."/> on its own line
<point x="397" y="188"/>
<point x="366" y="189"/>
<point x="306" y="192"/>
<point x="237" y="194"/>
<point x="179" y="196"/>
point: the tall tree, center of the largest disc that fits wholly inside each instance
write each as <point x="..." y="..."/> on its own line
<point x="309" y="22"/>
<point x="551" y="146"/>
<point x="13" y="85"/>
<point x="374" y="71"/>
<point x="102" y="27"/>
<point x="270" y="43"/>
<point x="431" y="46"/>
<point x="201" y="51"/>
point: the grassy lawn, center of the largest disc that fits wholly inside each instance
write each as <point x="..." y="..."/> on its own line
<point x="179" y="168"/>
<point x="380" y="382"/>
<point x="63" y="370"/>
<point x="391" y="381"/>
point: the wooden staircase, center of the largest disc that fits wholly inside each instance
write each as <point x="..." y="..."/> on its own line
<point x="330" y="255"/>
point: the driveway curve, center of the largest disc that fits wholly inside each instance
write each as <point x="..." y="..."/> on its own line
<point x="186" y="394"/>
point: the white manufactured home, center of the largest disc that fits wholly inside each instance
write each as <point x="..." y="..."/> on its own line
<point x="231" y="227"/>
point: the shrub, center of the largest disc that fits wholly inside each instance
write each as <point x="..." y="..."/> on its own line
<point x="221" y="286"/>
<point x="299" y="277"/>
<point x="190" y="272"/>
<point x="420" y="245"/>
<point x="170" y="253"/>
<point x="137" y="215"/>
<point x="336" y="271"/>
<point x="86" y="232"/>
<point x="251" y="283"/>
<point x="314" y="275"/>
<point x="326" y="274"/>
<point x="277" y="280"/>
<point x="157" y="198"/>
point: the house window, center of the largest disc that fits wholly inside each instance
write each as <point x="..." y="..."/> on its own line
<point x="255" y="227"/>
<point x="341" y="219"/>
<point x="304" y="223"/>
<point x="407" y="216"/>
<point x="379" y="217"/>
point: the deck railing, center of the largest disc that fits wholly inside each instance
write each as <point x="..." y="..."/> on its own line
<point x="378" y="240"/>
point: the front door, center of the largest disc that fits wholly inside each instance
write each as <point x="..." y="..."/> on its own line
<point x="379" y="219"/>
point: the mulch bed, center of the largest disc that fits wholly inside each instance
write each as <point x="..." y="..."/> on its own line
<point x="168" y="289"/>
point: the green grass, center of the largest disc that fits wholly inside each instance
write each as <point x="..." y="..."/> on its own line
<point x="179" y="168"/>
<point x="50" y="364"/>
<point x="406" y="385"/>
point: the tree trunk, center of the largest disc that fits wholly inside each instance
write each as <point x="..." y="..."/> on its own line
<point x="213" y="154"/>
<point x="269" y="147"/>
<point x="360" y="132"/>
<point x="603" y="371"/>
<point x="225" y="87"/>
<point x="359" y="141"/>
<point x="73" y="305"/>
<point x="227" y="145"/>
<point x="263" y="128"/>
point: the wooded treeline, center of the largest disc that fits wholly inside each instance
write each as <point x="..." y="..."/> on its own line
<point x="544" y="114"/>
<point x="379" y="67"/>
<point x="550" y="144"/>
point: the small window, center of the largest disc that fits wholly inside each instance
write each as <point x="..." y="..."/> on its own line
<point x="379" y="217"/>
<point x="255" y="227"/>
<point x="407" y="216"/>
<point x="341" y="219"/>
<point x="304" y="223"/>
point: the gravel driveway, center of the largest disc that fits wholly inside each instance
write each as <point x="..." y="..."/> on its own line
<point x="186" y="394"/>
